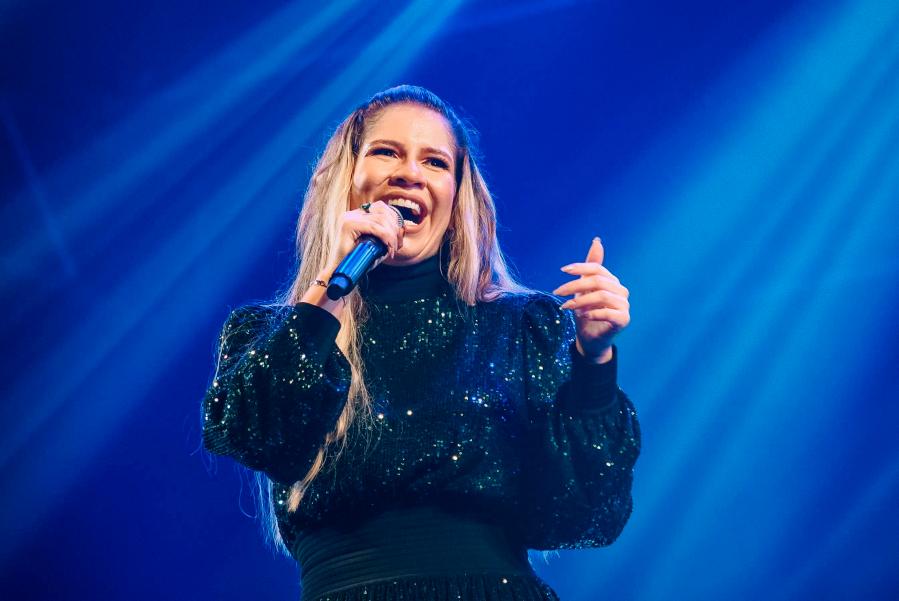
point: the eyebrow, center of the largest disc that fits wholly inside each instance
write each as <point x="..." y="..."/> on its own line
<point x="430" y="149"/>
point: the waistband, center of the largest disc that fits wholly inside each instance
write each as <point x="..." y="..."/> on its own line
<point x="422" y="541"/>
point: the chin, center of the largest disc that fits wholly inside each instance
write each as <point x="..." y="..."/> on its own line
<point x="409" y="254"/>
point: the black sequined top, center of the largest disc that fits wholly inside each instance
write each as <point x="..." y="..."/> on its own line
<point x="486" y="423"/>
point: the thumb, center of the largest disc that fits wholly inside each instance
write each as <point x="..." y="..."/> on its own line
<point x="596" y="253"/>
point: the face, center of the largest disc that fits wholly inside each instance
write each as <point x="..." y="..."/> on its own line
<point x="409" y="153"/>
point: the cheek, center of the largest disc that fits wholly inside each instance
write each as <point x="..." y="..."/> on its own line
<point x="449" y="200"/>
<point x="361" y="184"/>
<point x="359" y="179"/>
<point x="368" y="173"/>
<point x="445" y="193"/>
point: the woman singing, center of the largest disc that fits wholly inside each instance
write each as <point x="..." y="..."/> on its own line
<point x="419" y="435"/>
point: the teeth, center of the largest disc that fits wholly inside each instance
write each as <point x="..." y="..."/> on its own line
<point x="402" y="202"/>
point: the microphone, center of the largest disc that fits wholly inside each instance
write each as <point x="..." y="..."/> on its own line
<point x="363" y="258"/>
<point x="357" y="263"/>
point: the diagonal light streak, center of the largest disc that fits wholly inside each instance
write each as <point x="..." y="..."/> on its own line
<point x="142" y="339"/>
<point x="753" y="340"/>
<point x="725" y="288"/>
<point x="37" y="193"/>
<point x="879" y="492"/>
<point x="187" y="111"/>
<point x="786" y="136"/>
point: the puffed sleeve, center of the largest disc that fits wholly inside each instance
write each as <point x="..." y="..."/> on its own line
<point x="583" y="437"/>
<point x="279" y="387"/>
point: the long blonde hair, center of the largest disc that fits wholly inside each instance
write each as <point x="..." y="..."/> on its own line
<point x="476" y="269"/>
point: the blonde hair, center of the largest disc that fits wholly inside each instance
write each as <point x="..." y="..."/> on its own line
<point x="476" y="268"/>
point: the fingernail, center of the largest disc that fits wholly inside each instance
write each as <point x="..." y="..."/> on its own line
<point x="566" y="305"/>
<point x="596" y="239"/>
<point x="566" y="268"/>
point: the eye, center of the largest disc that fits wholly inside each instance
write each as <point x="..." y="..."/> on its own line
<point x="437" y="162"/>
<point x="384" y="151"/>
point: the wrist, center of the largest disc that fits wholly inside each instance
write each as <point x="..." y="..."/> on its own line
<point x="317" y="295"/>
<point x="603" y="356"/>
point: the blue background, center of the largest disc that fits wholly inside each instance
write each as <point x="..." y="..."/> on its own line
<point x="737" y="159"/>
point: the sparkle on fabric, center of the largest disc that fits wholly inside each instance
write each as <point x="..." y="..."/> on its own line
<point x="486" y="410"/>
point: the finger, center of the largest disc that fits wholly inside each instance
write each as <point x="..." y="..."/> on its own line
<point x="587" y="284"/>
<point x="380" y="206"/>
<point x="386" y="236"/>
<point x="388" y="230"/>
<point x="597" y="300"/>
<point x="378" y="211"/>
<point x="379" y="221"/>
<point x="588" y="269"/>
<point x="617" y="318"/>
<point x="389" y="222"/>
<point x="380" y="231"/>
<point x="596" y="253"/>
<point x="392" y="217"/>
<point x="590" y="283"/>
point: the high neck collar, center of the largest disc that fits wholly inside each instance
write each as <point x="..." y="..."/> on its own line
<point x="395" y="283"/>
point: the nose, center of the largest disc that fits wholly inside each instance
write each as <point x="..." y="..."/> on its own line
<point x="407" y="174"/>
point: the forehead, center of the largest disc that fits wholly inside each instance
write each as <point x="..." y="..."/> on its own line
<point x="411" y="124"/>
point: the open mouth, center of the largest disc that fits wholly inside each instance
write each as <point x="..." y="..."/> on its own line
<point x="408" y="214"/>
<point x="410" y="210"/>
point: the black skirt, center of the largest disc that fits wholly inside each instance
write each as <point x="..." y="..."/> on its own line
<point x="418" y="554"/>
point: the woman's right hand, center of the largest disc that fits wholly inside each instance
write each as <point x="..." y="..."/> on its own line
<point x="381" y="221"/>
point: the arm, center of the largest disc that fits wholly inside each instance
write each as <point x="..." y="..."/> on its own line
<point x="279" y="387"/>
<point x="583" y="437"/>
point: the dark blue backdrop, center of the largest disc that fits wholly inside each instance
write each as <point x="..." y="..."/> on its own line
<point x="738" y="160"/>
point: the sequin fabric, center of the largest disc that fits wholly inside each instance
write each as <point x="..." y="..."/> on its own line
<point x="488" y="411"/>
<point x="462" y="587"/>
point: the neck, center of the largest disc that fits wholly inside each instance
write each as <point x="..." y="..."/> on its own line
<point x="393" y="283"/>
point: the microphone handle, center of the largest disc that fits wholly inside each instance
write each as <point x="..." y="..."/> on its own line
<point x="357" y="263"/>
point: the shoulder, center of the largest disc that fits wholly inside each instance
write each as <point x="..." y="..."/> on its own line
<point x="249" y="319"/>
<point x="532" y="307"/>
<point x="255" y="312"/>
<point x="533" y="304"/>
<point x="533" y="321"/>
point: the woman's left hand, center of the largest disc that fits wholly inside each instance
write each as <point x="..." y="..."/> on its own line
<point x="600" y="304"/>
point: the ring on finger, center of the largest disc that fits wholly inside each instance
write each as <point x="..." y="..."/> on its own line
<point x="366" y="206"/>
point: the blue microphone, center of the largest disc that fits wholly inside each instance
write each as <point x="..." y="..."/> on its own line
<point x="357" y="263"/>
